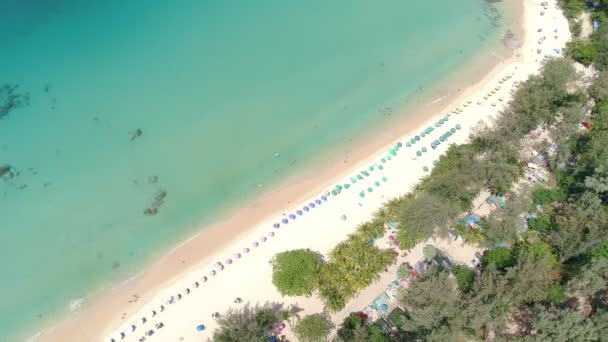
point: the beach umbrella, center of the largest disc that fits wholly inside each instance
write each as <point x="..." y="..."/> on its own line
<point x="391" y="151"/>
<point x="276" y="225"/>
<point x="389" y="158"/>
<point x="133" y="327"/>
<point x="448" y="133"/>
<point x="437" y="142"/>
<point x="299" y="212"/>
<point x="353" y="180"/>
<point x="493" y="104"/>
<point x="161" y="308"/>
<point x="384" y="308"/>
<point x="371" y="168"/>
<point x="346" y="186"/>
<point x="414" y="157"/>
<point x="255" y="244"/>
<point x="326" y="193"/>
<point x="152" y="313"/>
<point x="384" y="179"/>
<point x="237" y="255"/>
<point x="412" y="141"/>
<point x="306" y="208"/>
<point x="370" y="189"/>
<point x="479" y="102"/>
<point x="312" y="205"/>
<point x="380" y="167"/>
<point x="399" y="144"/>
<point x="465" y="104"/>
<point x="440" y="122"/>
<point x="263" y="239"/>
<point x="228" y="261"/>
<point x="334" y="192"/>
<point x="200" y="327"/>
<point x="324" y="197"/>
<point x="437" y="124"/>
<point x="442" y="138"/>
<point x="343" y="217"/>
<point x="445" y="118"/>
<point x="195" y="285"/>
<point x="424" y="149"/>
<point x="396" y="148"/>
<point x="425" y="169"/>
<point x="362" y="194"/>
<point x="391" y="237"/>
<point x="417" y="138"/>
<point x="395" y="243"/>
<point x="338" y="187"/>
<point x="246" y="250"/>
<point x="365" y="173"/>
<point x="418" y="153"/>
<point x="500" y="99"/>
<point x="458" y="126"/>
<point x="318" y="201"/>
<point x="422" y="134"/>
<point x="377" y="183"/>
<point x="359" y="177"/>
<point x="285" y="221"/>
<point x="434" y="162"/>
<point x="384" y="160"/>
<point x="453" y="130"/>
<point x="271" y="234"/>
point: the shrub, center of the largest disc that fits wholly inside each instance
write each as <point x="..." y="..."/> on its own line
<point x="546" y="196"/>
<point x="313" y="328"/>
<point x="501" y="257"/>
<point x="295" y="273"/>
<point x="465" y="277"/>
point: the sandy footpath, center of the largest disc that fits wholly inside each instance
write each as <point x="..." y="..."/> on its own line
<point x="319" y="228"/>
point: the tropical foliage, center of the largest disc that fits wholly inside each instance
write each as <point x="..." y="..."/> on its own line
<point x="249" y="323"/>
<point x="313" y="328"/>
<point x="295" y="272"/>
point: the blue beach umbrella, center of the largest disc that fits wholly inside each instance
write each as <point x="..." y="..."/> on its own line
<point x="200" y="327"/>
<point x="399" y="144"/>
<point x="276" y="225"/>
<point x="292" y="216"/>
<point x="417" y="138"/>
<point x="384" y="308"/>
<point x="285" y="221"/>
<point x="442" y="138"/>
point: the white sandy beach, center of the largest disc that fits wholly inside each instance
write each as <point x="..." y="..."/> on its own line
<point x="321" y="228"/>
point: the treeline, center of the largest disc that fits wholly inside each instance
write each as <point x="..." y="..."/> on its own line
<point x="594" y="49"/>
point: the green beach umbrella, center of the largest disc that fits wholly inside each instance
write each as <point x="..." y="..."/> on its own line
<point x="418" y="153"/>
<point x="383" y="160"/>
<point x="370" y="189"/>
<point x="442" y="138"/>
<point x="425" y="169"/>
<point x="338" y="187"/>
<point x="408" y="144"/>
<point x="449" y="134"/>
<point x="353" y="180"/>
<point x="445" y="118"/>
<point x="437" y="142"/>
<point x="346" y="186"/>
<point x="458" y="126"/>
<point x="440" y="121"/>
<point x="360" y="177"/>
<point x="384" y="179"/>
<point x="389" y="158"/>
<point x="362" y="194"/>
<point x="391" y="151"/>
<point x="412" y="141"/>
<point x="424" y="149"/>
<point x="371" y="168"/>
<point x="365" y="173"/>
<point x="422" y="134"/>
<point x="334" y="192"/>
<point x="380" y="167"/>
<point x="453" y="130"/>
<point x="377" y="183"/>
<point x="437" y="124"/>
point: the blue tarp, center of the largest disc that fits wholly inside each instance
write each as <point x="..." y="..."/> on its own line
<point x="378" y="302"/>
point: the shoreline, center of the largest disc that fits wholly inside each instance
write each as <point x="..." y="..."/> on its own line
<point x="189" y="255"/>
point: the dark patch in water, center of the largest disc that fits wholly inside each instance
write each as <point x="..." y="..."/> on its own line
<point x="157" y="202"/>
<point x="11" y="99"/>
<point x="5" y="169"/>
<point x="136" y="134"/>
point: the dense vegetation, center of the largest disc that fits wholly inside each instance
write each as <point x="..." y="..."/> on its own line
<point x="246" y="324"/>
<point x="295" y="273"/>
<point x="314" y="328"/>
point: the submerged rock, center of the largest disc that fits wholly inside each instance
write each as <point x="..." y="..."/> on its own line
<point x="136" y="134"/>
<point x="157" y="202"/>
<point x="5" y="169"/>
<point x="10" y="99"/>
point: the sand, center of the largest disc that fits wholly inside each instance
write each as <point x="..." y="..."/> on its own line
<point x="320" y="229"/>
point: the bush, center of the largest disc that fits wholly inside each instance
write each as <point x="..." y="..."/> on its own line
<point x="295" y="273"/>
<point x="544" y="196"/>
<point x="501" y="257"/>
<point x="555" y="293"/>
<point x="313" y="328"/>
<point x="375" y="334"/>
<point x="465" y="277"/>
<point x="582" y="52"/>
<point x="572" y="8"/>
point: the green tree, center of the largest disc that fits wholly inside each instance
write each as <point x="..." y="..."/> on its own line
<point x="465" y="277"/>
<point x="592" y="278"/>
<point x="600" y="319"/>
<point x="295" y="273"/>
<point x="563" y="326"/>
<point x="581" y="51"/>
<point x="599" y="88"/>
<point x="314" y="328"/>
<point x="501" y="258"/>
<point x="245" y="324"/>
<point x="544" y="196"/>
<point x="433" y="300"/>
<point x="375" y="334"/>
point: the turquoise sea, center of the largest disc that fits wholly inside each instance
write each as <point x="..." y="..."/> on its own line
<point x="114" y="107"/>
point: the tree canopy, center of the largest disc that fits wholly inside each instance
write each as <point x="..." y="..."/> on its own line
<point x="296" y="272"/>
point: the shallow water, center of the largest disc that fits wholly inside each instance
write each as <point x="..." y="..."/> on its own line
<point x="217" y="88"/>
